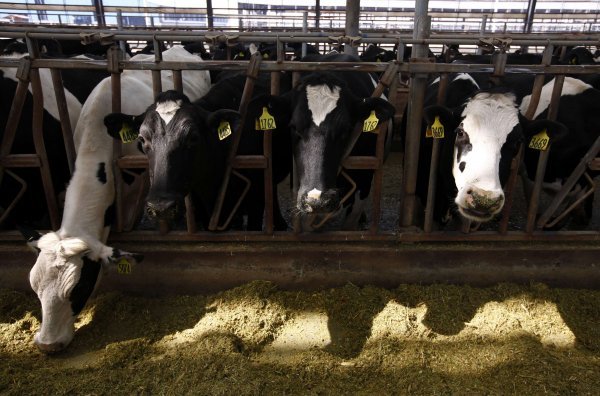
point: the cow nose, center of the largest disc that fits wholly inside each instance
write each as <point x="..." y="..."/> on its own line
<point x="317" y="201"/>
<point x="50" y="348"/>
<point x="162" y="209"/>
<point x="484" y="201"/>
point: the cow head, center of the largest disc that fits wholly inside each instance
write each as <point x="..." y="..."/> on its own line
<point x="324" y="117"/>
<point x="485" y="133"/>
<point x="64" y="276"/>
<point x="181" y="141"/>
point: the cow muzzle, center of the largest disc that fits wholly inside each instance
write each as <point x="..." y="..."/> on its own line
<point x="50" y="349"/>
<point x="480" y="205"/>
<point x="319" y="202"/>
<point x="163" y="209"/>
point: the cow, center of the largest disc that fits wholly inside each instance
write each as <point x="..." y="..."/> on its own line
<point x="138" y="84"/>
<point x="30" y="209"/>
<point x="579" y="112"/>
<point x="323" y="112"/>
<point x="187" y="144"/>
<point x="480" y="131"/>
<point x="69" y="261"/>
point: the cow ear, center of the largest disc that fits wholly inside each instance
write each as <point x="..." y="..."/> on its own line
<point x="223" y="122"/>
<point x="555" y="130"/>
<point x="277" y="106"/>
<point x="31" y="236"/>
<point x="123" y="127"/>
<point x="443" y="113"/>
<point x="116" y="258"/>
<point x="382" y="108"/>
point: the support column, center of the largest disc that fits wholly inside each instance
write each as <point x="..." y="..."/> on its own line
<point x="418" y="84"/>
<point x="352" y="15"/>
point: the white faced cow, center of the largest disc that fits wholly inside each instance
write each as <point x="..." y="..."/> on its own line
<point x="482" y="133"/>
<point x="69" y="260"/>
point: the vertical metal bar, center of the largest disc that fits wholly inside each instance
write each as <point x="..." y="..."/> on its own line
<point x="304" y="30"/>
<point x="65" y="122"/>
<point x="435" y="157"/>
<point x="268" y="151"/>
<point x="156" y="74"/>
<point x="99" y="13"/>
<point x="115" y="81"/>
<point x="528" y="21"/>
<point x="317" y="13"/>
<point x="543" y="159"/>
<point x="352" y="15"/>
<point x="177" y="81"/>
<point x="482" y="32"/>
<point x="296" y="220"/>
<point x="38" y="137"/>
<point x="209" y="14"/>
<point x="418" y="85"/>
<point x="252" y="73"/>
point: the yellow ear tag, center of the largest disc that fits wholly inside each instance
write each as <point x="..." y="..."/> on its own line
<point x="124" y="267"/>
<point x="428" y="133"/>
<point x="127" y="134"/>
<point x="265" y="56"/>
<point x="540" y="141"/>
<point x="437" y="129"/>
<point x="370" y="123"/>
<point x="224" y="130"/>
<point x="266" y="122"/>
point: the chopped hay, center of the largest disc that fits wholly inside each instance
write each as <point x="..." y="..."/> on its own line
<point x="256" y="339"/>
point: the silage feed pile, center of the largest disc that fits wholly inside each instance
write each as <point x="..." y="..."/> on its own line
<point x="256" y="339"/>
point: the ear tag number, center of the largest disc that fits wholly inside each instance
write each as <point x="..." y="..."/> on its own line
<point x="266" y="122"/>
<point x="127" y="134"/>
<point x="437" y="129"/>
<point x="371" y="122"/>
<point x="124" y="267"/>
<point x="540" y="141"/>
<point x="224" y="130"/>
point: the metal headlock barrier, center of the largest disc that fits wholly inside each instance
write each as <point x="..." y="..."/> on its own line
<point x="330" y="248"/>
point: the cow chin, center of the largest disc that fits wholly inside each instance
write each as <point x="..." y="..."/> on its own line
<point x="476" y="215"/>
<point x="163" y="210"/>
<point x="56" y="333"/>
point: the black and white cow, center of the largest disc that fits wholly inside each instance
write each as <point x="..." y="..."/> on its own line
<point x="324" y="111"/>
<point x="31" y="209"/>
<point x="579" y="112"/>
<point x="187" y="145"/>
<point x="68" y="266"/>
<point x="482" y="131"/>
<point x="67" y="269"/>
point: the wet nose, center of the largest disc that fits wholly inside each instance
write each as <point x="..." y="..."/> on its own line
<point x="162" y="209"/>
<point x="50" y="348"/>
<point x="483" y="200"/>
<point x="317" y="201"/>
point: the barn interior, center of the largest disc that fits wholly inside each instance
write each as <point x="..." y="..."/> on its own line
<point x="399" y="304"/>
